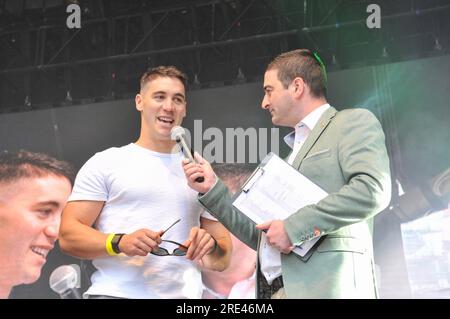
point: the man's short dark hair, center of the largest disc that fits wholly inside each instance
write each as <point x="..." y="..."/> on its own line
<point x="301" y="63"/>
<point x="24" y="164"/>
<point x="163" y="71"/>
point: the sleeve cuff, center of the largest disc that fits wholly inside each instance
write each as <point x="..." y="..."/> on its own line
<point x="201" y="195"/>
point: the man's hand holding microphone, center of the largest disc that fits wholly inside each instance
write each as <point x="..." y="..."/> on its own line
<point x="199" y="173"/>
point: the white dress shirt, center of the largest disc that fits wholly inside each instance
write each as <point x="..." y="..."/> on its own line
<point x="269" y="257"/>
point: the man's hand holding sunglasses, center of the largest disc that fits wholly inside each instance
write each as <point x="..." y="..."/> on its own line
<point x="201" y="246"/>
<point x="140" y="243"/>
<point x="200" y="243"/>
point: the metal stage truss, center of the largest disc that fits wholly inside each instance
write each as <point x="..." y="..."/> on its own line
<point x="45" y="64"/>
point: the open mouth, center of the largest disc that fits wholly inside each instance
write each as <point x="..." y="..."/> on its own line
<point x="165" y="119"/>
<point x="40" y="251"/>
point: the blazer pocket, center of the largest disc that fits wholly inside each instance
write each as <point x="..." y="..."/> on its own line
<point x="320" y="154"/>
<point x="343" y="244"/>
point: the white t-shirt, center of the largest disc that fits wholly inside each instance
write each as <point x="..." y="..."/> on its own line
<point x="141" y="189"/>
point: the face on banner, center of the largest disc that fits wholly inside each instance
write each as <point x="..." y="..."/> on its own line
<point x="30" y="214"/>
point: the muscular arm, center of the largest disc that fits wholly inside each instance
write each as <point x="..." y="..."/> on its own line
<point x="79" y="239"/>
<point x="218" y="202"/>
<point x="76" y="235"/>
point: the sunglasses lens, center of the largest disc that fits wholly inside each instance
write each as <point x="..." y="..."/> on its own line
<point x="179" y="252"/>
<point x="160" y="252"/>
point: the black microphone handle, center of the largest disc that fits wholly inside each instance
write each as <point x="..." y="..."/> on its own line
<point x="200" y="179"/>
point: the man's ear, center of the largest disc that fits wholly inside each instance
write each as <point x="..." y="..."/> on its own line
<point x="139" y="103"/>
<point x="298" y="86"/>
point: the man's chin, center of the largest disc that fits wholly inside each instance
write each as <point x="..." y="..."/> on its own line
<point x="164" y="132"/>
<point x="279" y="122"/>
<point x="32" y="275"/>
<point x="165" y="137"/>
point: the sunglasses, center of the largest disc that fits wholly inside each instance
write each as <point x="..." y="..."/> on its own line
<point x="174" y="223"/>
<point x="161" y="251"/>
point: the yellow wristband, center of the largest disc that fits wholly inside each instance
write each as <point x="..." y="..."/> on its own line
<point x="109" y="248"/>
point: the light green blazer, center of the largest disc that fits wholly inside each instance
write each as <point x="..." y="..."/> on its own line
<point x="345" y="154"/>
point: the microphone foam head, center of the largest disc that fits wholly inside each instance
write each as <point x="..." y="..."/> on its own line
<point x="176" y="132"/>
<point x="63" y="278"/>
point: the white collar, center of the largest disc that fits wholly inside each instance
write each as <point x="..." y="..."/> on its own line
<point x="309" y="121"/>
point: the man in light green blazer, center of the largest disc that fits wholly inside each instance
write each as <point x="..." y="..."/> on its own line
<point x="342" y="152"/>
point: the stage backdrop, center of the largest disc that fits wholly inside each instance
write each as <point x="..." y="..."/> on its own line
<point x="411" y="97"/>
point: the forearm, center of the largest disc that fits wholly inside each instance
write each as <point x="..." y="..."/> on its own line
<point x="218" y="202"/>
<point x="358" y="201"/>
<point x="83" y="241"/>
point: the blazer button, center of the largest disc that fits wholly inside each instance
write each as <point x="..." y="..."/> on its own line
<point x="317" y="232"/>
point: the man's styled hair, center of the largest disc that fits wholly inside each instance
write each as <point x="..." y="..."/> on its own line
<point x="301" y="63"/>
<point x="24" y="164"/>
<point x="163" y="71"/>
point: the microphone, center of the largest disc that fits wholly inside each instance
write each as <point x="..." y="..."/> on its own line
<point x="65" y="280"/>
<point x="178" y="134"/>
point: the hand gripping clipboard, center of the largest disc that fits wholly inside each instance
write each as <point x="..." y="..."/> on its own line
<point x="276" y="190"/>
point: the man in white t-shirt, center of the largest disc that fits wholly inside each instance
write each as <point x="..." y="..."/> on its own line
<point x="125" y="199"/>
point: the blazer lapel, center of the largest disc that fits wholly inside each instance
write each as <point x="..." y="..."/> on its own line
<point x="314" y="135"/>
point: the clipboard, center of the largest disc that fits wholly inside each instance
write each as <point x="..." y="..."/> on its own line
<point x="276" y="190"/>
